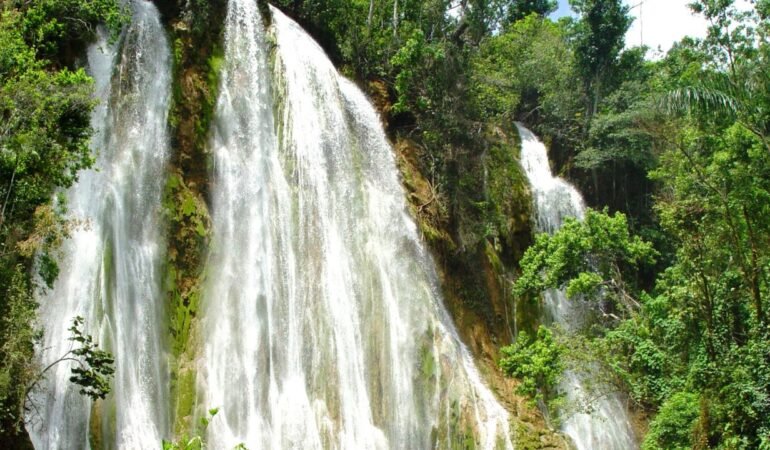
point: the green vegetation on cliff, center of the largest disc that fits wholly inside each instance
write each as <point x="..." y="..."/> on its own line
<point x="196" y="33"/>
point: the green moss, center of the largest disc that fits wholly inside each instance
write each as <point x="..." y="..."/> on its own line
<point x="95" y="426"/>
<point x="431" y="233"/>
<point x="184" y="208"/>
<point x="427" y="362"/>
<point x="188" y="205"/>
<point x="494" y="258"/>
<point x="508" y="193"/>
<point x="209" y="73"/>
<point x="527" y="437"/>
<point x="178" y="52"/>
<point x="184" y="389"/>
<point x="201" y="230"/>
<point x="457" y="434"/>
<point x="215" y="63"/>
<point x="189" y="229"/>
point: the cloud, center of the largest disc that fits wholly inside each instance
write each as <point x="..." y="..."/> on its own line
<point x="661" y="23"/>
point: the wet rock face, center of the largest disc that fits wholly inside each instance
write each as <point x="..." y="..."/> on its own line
<point x="477" y="251"/>
<point x="169" y="8"/>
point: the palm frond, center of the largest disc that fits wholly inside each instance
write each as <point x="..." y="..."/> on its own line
<point x="700" y="99"/>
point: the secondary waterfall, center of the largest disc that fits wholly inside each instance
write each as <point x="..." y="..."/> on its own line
<point x="323" y="325"/>
<point x="608" y="426"/>
<point x="110" y="267"/>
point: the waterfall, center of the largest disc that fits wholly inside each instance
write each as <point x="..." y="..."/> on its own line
<point x="322" y="323"/>
<point x="607" y="426"/>
<point x="110" y="267"/>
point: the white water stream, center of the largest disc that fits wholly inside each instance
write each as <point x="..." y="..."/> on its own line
<point x="607" y="426"/>
<point x="323" y="324"/>
<point x="110" y="268"/>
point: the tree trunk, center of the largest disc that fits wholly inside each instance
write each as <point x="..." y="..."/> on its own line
<point x="10" y="188"/>
<point x="371" y="14"/>
<point x="756" y="270"/>
<point x="395" y="18"/>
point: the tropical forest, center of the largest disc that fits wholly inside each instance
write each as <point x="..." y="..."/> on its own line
<point x="385" y="224"/>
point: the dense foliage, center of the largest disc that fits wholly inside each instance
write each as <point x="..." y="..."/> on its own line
<point x="537" y="362"/>
<point x="590" y="259"/>
<point x="45" y="105"/>
<point x="692" y="345"/>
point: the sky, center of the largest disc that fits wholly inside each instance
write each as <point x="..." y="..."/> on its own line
<point x="662" y="23"/>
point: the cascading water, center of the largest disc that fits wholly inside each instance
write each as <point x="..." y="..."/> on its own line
<point x="322" y="324"/>
<point x="110" y="268"/>
<point x="608" y="426"/>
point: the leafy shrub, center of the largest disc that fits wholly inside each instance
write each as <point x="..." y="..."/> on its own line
<point x="537" y="363"/>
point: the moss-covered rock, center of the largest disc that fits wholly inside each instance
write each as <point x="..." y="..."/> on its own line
<point x="479" y="241"/>
<point x="196" y="30"/>
<point x="190" y="226"/>
<point x="184" y="388"/>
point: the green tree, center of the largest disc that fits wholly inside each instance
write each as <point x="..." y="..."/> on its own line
<point x="716" y="211"/>
<point x="526" y="70"/>
<point x="58" y="29"/>
<point x="536" y="362"/>
<point x="617" y="151"/>
<point x="595" y="258"/>
<point x="599" y="39"/>
<point x="673" y="426"/>
<point x="520" y="9"/>
<point x="92" y="367"/>
<point x="704" y="329"/>
<point x="18" y="369"/>
<point x="736" y="87"/>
